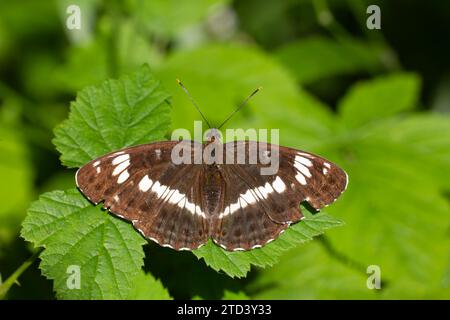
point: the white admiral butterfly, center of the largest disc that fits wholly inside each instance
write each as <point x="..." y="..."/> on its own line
<point x="182" y="205"/>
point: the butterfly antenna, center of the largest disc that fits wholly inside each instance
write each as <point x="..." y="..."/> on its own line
<point x="243" y="103"/>
<point x="193" y="102"/>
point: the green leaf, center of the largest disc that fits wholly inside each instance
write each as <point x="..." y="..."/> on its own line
<point x="310" y="272"/>
<point x="114" y="115"/>
<point x="379" y="98"/>
<point x="167" y="18"/>
<point x="16" y="187"/>
<point x="317" y="58"/>
<point x="107" y="251"/>
<point x="427" y="134"/>
<point x="230" y="295"/>
<point x="146" y="287"/>
<point x="238" y="264"/>
<point x="132" y="51"/>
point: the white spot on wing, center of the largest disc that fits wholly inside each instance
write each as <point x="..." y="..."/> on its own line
<point x="123" y="177"/>
<point x="158" y="189"/>
<point x="122" y="166"/>
<point x="302" y="167"/>
<point x="279" y="185"/>
<point x="173" y="196"/>
<point x="166" y="192"/>
<point x="249" y="197"/>
<point x="176" y="197"/>
<point x="98" y="169"/>
<point x="225" y="212"/>
<point x="300" y="178"/>
<point x="303" y="160"/>
<point x="242" y="204"/>
<point x="326" y="164"/>
<point x="120" y="159"/>
<point x="190" y="207"/>
<point x="324" y="170"/>
<point x="96" y="163"/>
<point x="268" y="188"/>
<point x="145" y="184"/>
<point x="234" y="207"/>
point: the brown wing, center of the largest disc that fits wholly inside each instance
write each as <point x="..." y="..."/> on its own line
<point x="258" y="207"/>
<point x="134" y="185"/>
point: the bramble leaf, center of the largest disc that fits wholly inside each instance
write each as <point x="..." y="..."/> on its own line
<point x="107" y="250"/>
<point x="316" y="58"/>
<point x="310" y="272"/>
<point x="238" y="264"/>
<point x="146" y="287"/>
<point x="379" y="98"/>
<point x="119" y="113"/>
<point x="83" y="240"/>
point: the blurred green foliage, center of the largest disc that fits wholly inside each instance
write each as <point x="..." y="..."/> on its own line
<point x="368" y="100"/>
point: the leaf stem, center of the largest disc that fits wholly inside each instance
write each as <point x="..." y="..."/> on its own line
<point x="339" y="256"/>
<point x="5" y="286"/>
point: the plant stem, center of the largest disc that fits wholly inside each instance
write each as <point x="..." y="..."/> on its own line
<point x="5" y="286"/>
<point x="390" y="59"/>
<point x="327" y="20"/>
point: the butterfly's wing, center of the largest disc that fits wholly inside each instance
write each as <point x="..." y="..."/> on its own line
<point x="258" y="207"/>
<point x="134" y="185"/>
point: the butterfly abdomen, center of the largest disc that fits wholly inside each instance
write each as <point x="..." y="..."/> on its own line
<point x="212" y="189"/>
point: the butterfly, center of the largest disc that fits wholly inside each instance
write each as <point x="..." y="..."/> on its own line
<point x="182" y="205"/>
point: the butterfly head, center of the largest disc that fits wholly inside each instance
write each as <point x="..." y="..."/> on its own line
<point x="213" y="135"/>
